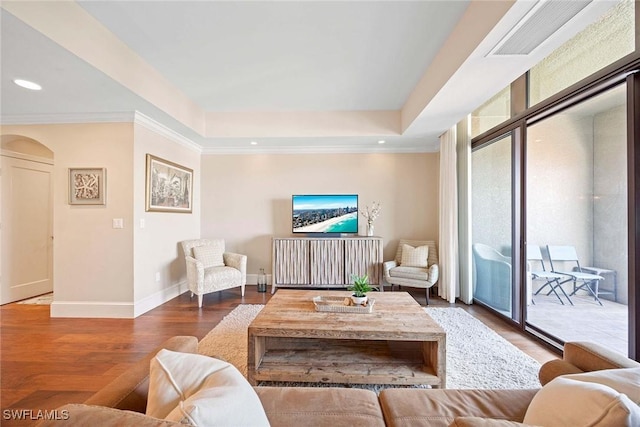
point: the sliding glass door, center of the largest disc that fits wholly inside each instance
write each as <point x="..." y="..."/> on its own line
<point x="491" y="203"/>
<point x="577" y="228"/>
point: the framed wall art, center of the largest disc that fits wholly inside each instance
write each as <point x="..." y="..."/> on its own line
<point x="87" y="186"/>
<point x="169" y="186"/>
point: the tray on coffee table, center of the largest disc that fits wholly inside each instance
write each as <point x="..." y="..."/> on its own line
<point x="336" y="304"/>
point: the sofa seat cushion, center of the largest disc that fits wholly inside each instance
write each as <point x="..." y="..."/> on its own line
<point x="435" y="407"/>
<point x="591" y="399"/>
<point x="200" y="390"/>
<point x="90" y="415"/>
<point x="320" y="406"/>
<point x="414" y="273"/>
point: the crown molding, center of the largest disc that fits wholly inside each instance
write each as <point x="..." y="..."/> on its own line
<point x="163" y="130"/>
<point x="48" y="119"/>
<point x="135" y="117"/>
<point x="315" y="150"/>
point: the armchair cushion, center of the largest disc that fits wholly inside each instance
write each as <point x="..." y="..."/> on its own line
<point x="210" y="255"/>
<point x="220" y="276"/>
<point x="414" y="273"/>
<point x="414" y="257"/>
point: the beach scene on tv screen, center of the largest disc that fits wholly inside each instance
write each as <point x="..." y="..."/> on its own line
<point x="325" y="214"/>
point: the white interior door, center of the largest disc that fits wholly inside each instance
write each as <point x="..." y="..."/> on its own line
<point x="26" y="227"/>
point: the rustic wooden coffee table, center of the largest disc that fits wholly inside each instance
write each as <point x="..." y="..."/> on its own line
<point x="397" y="343"/>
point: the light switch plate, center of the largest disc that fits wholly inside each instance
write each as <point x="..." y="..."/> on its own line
<point x="118" y="223"/>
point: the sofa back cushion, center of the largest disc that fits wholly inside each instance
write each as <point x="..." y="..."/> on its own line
<point x="584" y="400"/>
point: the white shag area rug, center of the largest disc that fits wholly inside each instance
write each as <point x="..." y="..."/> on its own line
<point x="45" y="299"/>
<point x="477" y="357"/>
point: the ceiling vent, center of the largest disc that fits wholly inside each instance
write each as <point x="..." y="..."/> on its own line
<point x="544" y="19"/>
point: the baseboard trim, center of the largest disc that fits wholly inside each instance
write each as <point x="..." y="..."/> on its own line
<point x="115" y="310"/>
<point x="92" y="309"/>
<point x="159" y="298"/>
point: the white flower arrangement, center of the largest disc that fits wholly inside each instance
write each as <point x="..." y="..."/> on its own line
<point x="371" y="213"/>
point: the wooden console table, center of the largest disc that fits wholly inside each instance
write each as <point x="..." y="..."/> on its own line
<point x="398" y="343"/>
<point x="325" y="262"/>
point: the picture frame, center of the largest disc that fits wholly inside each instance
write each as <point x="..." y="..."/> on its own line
<point x="169" y="186"/>
<point x="87" y="186"/>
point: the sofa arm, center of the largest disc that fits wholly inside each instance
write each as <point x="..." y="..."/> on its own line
<point x="434" y="273"/>
<point x="129" y="391"/>
<point x="85" y="415"/>
<point x="237" y="261"/>
<point x="584" y="357"/>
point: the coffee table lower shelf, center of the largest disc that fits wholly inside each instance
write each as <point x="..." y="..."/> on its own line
<point x="342" y="361"/>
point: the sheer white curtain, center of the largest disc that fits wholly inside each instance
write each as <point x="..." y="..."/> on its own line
<point x="448" y="285"/>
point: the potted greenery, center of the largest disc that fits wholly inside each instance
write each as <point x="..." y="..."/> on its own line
<point x="360" y="287"/>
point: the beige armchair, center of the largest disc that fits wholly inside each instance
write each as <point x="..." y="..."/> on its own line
<point x="211" y="269"/>
<point x="414" y="269"/>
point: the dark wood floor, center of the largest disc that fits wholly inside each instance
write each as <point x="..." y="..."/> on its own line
<point x="47" y="362"/>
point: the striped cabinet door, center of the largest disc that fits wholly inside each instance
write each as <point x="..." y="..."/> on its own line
<point x="291" y="261"/>
<point x="327" y="261"/>
<point x="363" y="256"/>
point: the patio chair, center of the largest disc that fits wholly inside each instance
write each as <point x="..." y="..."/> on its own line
<point x="567" y="254"/>
<point x="493" y="277"/>
<point x="551" y="279"/>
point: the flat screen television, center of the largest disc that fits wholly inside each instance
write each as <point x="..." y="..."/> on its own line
<point x="325" y="213"/>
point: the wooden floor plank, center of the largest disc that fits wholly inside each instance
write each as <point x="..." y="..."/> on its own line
<point x="47" y="362"/>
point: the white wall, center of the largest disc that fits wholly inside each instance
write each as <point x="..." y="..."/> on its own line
<point x="246" y="199"/>
<point x="156" y="246"/>
<point x="100" y="271"/>
<point x="93" y="262"/>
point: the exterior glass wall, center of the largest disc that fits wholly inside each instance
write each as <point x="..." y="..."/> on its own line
<point x="491" y="225"/>
<point x="576" y="190"/>
<point x="600" y="44"/>
<point x="493" y="112"/>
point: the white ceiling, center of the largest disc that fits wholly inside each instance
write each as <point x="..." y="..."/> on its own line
<point x="402" y="71"/>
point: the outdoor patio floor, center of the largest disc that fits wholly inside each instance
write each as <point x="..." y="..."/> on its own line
<point x="586" y="320"/>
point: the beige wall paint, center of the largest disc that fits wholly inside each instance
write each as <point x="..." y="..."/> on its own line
<point x="93" y="263"/>
<point x="100" y="271"/>
<point x="156" y="248"/>
<point x="246" y="199"/>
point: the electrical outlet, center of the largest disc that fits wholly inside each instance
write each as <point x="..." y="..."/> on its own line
<point x="118" y="223"/>
<point x="157" y="276"/>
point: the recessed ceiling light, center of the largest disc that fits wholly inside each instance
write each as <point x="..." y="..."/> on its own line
<point x="254" y="143"/>
<point x="27" y="84"/>
<point x="382" y="141"/>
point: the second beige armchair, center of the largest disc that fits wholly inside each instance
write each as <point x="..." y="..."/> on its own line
<point x="211" y="269"/>
<point x="415" y="265"/>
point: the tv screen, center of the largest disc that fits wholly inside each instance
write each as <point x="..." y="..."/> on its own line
<point x="325" y="213"/>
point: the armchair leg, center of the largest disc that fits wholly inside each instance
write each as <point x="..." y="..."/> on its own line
<point x="242" y="289"/>
<point x="200" y="300"/>
<point x="427" y="294"/>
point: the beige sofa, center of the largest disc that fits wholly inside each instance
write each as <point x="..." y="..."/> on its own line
<point x="123" y="402"/>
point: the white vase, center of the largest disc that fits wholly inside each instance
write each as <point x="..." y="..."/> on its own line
<point x="359" y="300"/>
<point x="369" y="229"/>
